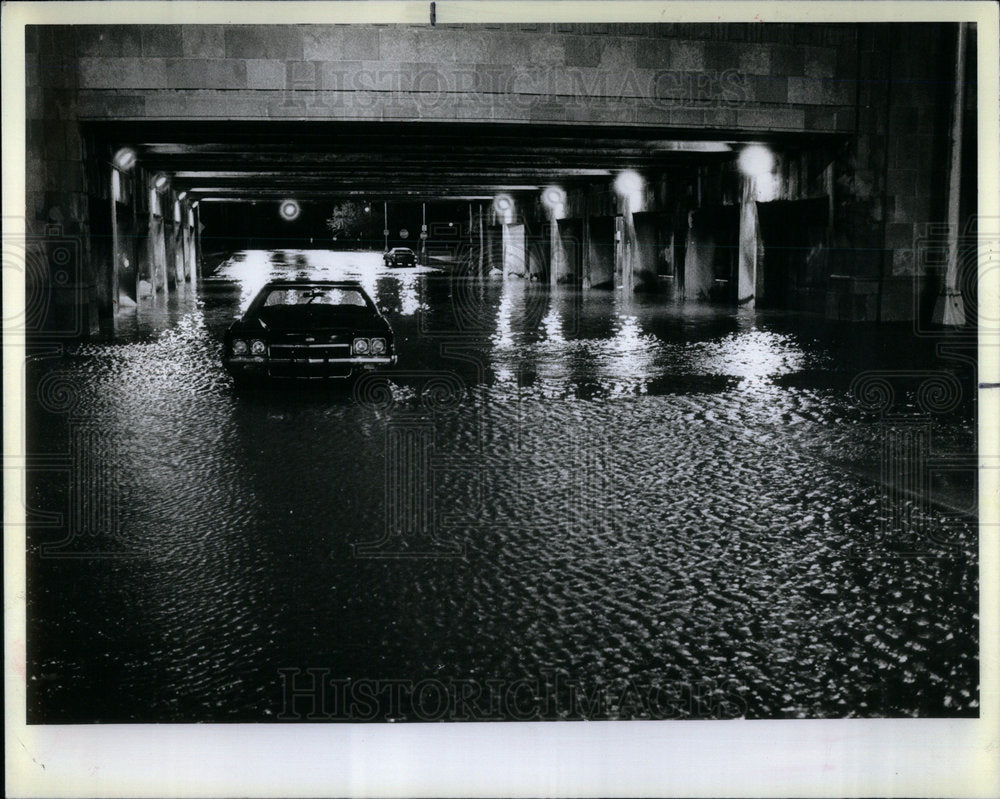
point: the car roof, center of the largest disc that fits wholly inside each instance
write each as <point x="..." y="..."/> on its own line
<point x="400" y="248"/>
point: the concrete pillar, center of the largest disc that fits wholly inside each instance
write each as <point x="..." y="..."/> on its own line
<point x="482" y="244"/>
<point x="600" y="253"/>
<point x="190" y="263"/>
<point x="566" y="260"/>
<point x="748" y="245"/>
<point x="645" y="252"/>
<point x="514" y="260"/>
<point x="198" y="251"/>
<point x="156" y="249"/>
<point x="699" y="255"/>
<point x="953" y="307"/>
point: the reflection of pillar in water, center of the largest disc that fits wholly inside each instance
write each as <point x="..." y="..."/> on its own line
<point x="905" y="478"/>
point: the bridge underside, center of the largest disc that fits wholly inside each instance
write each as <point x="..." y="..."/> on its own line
<point x="672" y="226"/>
<point x="423" y="161"/>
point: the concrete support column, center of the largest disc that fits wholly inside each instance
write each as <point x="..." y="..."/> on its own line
<point x="482" y="244"/>
<point x="699" y="256"/>
<point x="104" y="274"/>
<point x="198" y="251"/>
<point x="557" y="255"/>
<point x="747" y="252"/>
<point x="628" y="250"/>
<point x="600" y="254"/>
<point x="953" y="312"/>
<point x="514" y="261"/>
<point x="645" y="252"/>
<point x="156" y="249"/>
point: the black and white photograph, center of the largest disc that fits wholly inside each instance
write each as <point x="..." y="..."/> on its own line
<point x="381" y="373"/>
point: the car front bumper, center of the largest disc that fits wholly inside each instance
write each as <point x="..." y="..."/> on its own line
<point x="304" y="368"/>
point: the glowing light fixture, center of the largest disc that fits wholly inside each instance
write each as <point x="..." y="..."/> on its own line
<point x="629" y="186"/>
<point x="125" y="159"/>
<point x="503" y="204"/>
<point x="290" y="209"/>
<point x="756" y="160"/>
<point x="553" y="196"/>
<point x="628" y="182"/>
<point x="161" y="182"/>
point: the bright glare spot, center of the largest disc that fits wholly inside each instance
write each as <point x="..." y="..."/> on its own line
<point x="552" y="323"/>
<point x="503" y="204"/>
<point x="503" y="338"/>
<point x="629" y="186"/>
<point x="161" y="182"/>
<point x="553" y="196"/>
<point x="125" y="159"/>
<point x="628" y="182"/>
<point x="756" y="160"/>
<point x="290" y="210"/>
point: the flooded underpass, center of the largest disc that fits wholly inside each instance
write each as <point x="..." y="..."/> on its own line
<point x="558" y="504"/>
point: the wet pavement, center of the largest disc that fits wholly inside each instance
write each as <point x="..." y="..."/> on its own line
<point x="558" y="505"/>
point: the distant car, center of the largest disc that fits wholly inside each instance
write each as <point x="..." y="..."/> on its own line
<point x="400" y="256"/>
<point x="308" y="329"/>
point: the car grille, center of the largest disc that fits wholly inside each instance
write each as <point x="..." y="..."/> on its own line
<point x="308" y="352"/>
<point x="308" y="360"/>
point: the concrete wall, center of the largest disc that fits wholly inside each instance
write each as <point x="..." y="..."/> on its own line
<point x="764" y="77"/>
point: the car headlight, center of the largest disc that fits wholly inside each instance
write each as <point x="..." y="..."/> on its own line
<point x="378" y="346"/>
<point x="239" y="346"/>
<point x="361" y="346"/>
<point x="257" y="347"/>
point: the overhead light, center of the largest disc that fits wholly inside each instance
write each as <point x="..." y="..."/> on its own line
<point x="503" y="203"/>
<point x="161" y="182"/>
<point x="755" y="160"/>
<point x="628" y="183"/>
<point x="182" y="195"/>
<point x="125" y="159"/>
<point x="289" y="209"/>
<point x="554" y="196"/>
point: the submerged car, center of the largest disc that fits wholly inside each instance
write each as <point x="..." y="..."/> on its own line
<point x="308" y="329"/>
<point x="400" y="256"/>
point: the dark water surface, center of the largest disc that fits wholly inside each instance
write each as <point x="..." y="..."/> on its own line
<point x="562" y="505"/>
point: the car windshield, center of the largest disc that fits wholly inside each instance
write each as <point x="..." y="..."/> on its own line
<point x="315" y="295"/>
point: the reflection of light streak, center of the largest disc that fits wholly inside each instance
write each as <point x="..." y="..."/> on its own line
<point x="503" y="338"/>
<point x="754" y="355"/>
<point x="630" y="357"/>
<point x="553" y="326"/>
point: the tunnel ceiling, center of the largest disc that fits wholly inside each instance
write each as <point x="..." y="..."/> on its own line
<point x="319" y="160"/>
